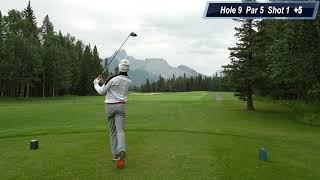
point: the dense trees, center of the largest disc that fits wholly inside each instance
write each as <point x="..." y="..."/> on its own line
<point x="278" y="58"/>
<point x="178" y="84"/>
<point x="41" y="62"/>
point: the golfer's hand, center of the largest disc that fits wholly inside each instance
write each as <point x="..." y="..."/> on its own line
<point x="96" y="81"/>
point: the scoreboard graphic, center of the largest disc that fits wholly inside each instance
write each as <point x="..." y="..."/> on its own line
<point x="262" y="10"/>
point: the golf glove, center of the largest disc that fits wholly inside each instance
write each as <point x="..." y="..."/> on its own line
<point x="96" y="81"/>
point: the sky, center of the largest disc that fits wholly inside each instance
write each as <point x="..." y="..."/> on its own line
<point x="171" y="29"/>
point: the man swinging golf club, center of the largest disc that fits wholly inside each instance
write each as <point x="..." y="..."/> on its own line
<point x="115" y="89"/>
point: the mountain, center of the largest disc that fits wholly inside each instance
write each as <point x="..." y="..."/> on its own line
<point x="188" y="70"/>
<point x="149" y="68"/>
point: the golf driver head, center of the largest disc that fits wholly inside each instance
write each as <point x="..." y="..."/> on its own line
<point x="133" y="34"/>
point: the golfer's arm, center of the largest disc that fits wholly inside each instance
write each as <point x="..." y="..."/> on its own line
<point x="102" y="90"/>
<point x="109" y="84"/>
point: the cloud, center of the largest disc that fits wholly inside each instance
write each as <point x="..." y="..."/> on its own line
<point x="173" y="30"/>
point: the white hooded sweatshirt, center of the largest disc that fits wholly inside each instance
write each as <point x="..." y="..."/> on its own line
<point x="116" y="90"/>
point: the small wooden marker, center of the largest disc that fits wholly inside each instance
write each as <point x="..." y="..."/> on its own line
<point x="34" y="144"/>
<point x="263" y="155"/>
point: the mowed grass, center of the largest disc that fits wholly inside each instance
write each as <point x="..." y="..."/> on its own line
<point x="193" y="135"/>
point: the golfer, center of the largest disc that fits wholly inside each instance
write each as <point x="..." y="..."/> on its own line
<point x="115" y="89"/>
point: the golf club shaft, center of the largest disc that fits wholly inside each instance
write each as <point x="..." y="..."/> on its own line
<point x="105" y="68"/>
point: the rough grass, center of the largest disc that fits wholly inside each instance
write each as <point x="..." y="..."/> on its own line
<point x="192" y="135"/>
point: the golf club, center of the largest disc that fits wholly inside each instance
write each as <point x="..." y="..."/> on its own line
<point x="105" y="68"/>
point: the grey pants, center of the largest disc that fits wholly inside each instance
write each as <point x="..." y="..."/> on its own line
<point x="116" y="116"/>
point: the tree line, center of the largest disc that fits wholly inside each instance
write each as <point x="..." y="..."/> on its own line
<point x="42" y="62"/>
<point x="183" y="83"/>
<point x="277" y="58"/>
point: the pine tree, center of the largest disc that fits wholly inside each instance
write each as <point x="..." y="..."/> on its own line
<point x="97" y="67"/>
<point x="31" y="55"/>
<point x="148" y="87"/>
<point x="242" y="67"/>
<point x="85" y="81"/>
<point x="46" y="30"/>
<point x="3" y="74"/>
<point x="76" y="67"/>
<point x="1" y="35"/>
<point x="63" y="77"/>
<point x="14" y="51"/>
<point x="47" y="51"/>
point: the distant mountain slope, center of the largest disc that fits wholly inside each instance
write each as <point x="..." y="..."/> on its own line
<point x="188" y="70"/>
<point x="150" y="68"/>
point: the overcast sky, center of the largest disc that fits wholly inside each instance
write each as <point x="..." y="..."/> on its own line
<point x="171" y="29"/>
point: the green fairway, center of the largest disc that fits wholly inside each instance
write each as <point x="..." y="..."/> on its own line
<point x="193" y="135"/>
